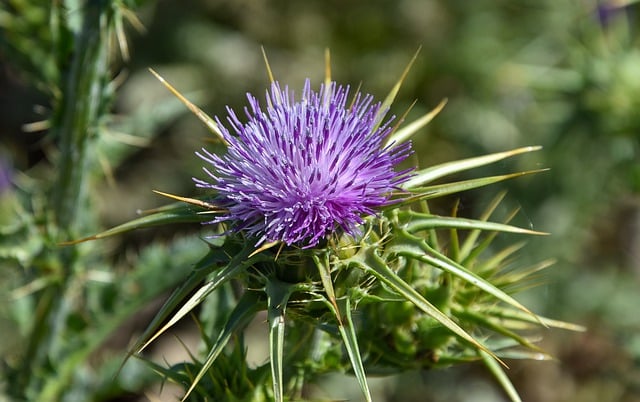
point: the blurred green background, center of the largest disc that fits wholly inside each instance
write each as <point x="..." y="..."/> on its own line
<point x="561" y="74"/>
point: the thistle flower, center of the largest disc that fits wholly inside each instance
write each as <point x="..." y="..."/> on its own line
<point x="300" y="170"/>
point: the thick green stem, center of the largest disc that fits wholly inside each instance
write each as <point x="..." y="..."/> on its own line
<point x="82" y="102"/>
<point x="84" y="98"/>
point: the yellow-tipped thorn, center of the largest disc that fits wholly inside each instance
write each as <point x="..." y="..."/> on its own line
<point x="386" y="104"/>
<point x="266" y="64"/>
<point x="208" y="121"/>
<point x="264" y="247"/>
<point x="327" y="67"/>
<point x="355" y="95"/>
<point x="401" y="135"/>
<point x="404" y="116"/>
<point x="191" y="201"/>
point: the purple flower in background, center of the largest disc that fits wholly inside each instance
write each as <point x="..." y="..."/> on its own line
<point x="5" y="176"/>
<point x="298" y="170"/>
<point x="608" y="11"/>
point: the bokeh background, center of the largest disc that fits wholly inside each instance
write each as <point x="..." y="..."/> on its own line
<point x="561" y="74"/>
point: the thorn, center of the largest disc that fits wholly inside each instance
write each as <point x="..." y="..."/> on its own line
<point x="208" y="121"/>
<point x="327" y="67"/>
<point x="191" y="201"/>
<point x="266" y="63"/>
<point x="266" y="247"/>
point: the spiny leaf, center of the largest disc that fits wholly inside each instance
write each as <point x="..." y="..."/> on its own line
<point x="430" y="174"/>
<point x="266" y="246"/>
<point x="426" y="221"/>
<point x="372" y="263"/>
<point x="348" y="333"/>
<point x="483" y="320"/>
<point x="522" y="274"/>
<point x="277" y="295"/>
<point x="325" y="276"/>
<point x="342" y="311"/>
<point x="440" y="190"/>
<point x="246" y="308"/>
<point x="500" y="375"/>
<point x="492" y="265"/>
<point x="174" y="213"/>
<point x="548" y="322"/>
<point x="454" y="239"/>
<point x="469" y="246"/>
<point x="272" y="80"/>
<point x="522" y="354"/>
<point x="200" y="272"/>
<point x="418" y="249"/>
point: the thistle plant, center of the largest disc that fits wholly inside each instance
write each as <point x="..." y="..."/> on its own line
<point x="60" y="305"/>
<point x="315" y="223"/>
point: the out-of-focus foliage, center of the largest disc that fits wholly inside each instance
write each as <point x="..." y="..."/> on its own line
<point x="559" y="74"/>
<point x="66" y="312"/>
<point x="563" y="74"/>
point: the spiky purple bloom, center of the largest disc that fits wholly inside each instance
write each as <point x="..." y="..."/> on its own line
<point x="299" y="170"/>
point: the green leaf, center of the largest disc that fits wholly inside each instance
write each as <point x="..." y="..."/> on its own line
<point x="342" y="311"/>
<point x="430" y="174"/>
<point x="246" y="308"/>
<point x="492" y="265"/>
<point x="375" y="265"/>
<point x="522" y="274"/>
<point x="200" y="272"/>
<point x="440" y="190"/>
<point x="500" y="375"/>
<point x="277" y="295"/>
<point x="418" y="249"/>
<point x="426" y="221"/>
<point x="483" y="320"/>
<point x="324" y="270"/>
<point x="173" y="213"/>
<point x="469" y="250"/>
<point x="348" y="333"/>
<point x="20" y="237"/>
<point x="547" y="322"/>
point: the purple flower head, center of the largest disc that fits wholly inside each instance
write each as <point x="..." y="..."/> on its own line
<point x="299" y="170"/>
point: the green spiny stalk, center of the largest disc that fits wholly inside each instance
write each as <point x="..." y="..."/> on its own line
<point x="77" y="114"/>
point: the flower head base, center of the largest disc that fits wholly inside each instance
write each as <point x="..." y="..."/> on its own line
<point x="300" y="170"/>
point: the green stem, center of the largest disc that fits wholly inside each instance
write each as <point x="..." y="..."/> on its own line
<point x="80" y="107"/>
<point x="84" y="98"/>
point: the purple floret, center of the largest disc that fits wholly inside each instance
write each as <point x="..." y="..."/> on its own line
<point x="300" y="170"/>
